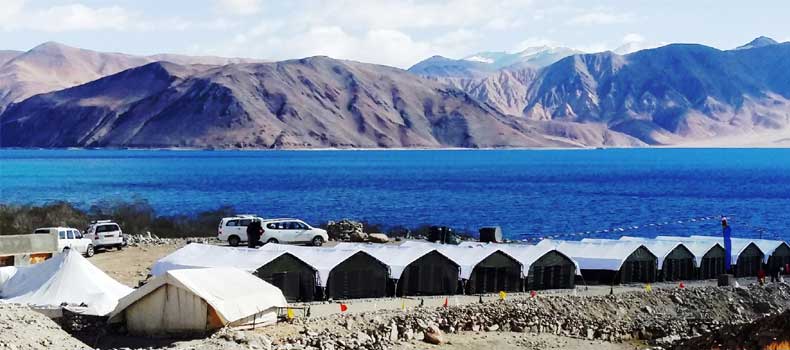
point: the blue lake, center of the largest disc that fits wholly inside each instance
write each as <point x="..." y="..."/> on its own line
<point x="529" y="193"/>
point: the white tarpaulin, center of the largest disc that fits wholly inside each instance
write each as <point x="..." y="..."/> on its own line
<point x="65" y="278"/>
<point x="594" y="255"/>
<point x="395" y="257"/>
<point x="323" y="260"/>
<point x="739" y="245"/>
<point x="659" y="248"/>
<point x="237" y="298"/>
<point x="528" y="254"/>
<point x="697" y="247"/>
<point x="6" y="272"/>
<point x="195" y="255"/>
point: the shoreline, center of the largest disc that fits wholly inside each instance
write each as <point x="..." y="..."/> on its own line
<point x="342" y="149"/>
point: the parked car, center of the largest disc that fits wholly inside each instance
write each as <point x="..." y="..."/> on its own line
<point x="292" y="231"/>
<point x="69" y="238"/>
<point x="105" y="234"/>
<point x="233" y="230"/>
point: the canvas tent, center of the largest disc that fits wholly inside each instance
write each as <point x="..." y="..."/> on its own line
<point x="195" y="255"/>
<point x="676" y="262"/>
<point x="194" y="301"/>
<point x="343" y="274"/>
<point x="415" y="269"/>
<point x="66" y="278"/>
<point x="546" y="267"/>
<point x="609" y="262"/>
<point x="709" y="255"/>
<point x="295" y="278"/>
<point x="486" y="269"/>
<point x="6" y="272"/>
<point x="746" y="255"/>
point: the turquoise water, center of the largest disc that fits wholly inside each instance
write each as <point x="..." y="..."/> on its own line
<point x="530" y="193"/>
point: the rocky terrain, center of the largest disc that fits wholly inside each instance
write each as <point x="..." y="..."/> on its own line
<point x="679" y="94"/>
<point x="22" y="328"/>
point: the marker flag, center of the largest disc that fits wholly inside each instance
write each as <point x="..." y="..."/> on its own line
<point x="290" y="314"/>
<point x="343" y="307"/>
<point x="446" y="302"/>
<point x="502" y="295"/>
<point x="648" y="288"/>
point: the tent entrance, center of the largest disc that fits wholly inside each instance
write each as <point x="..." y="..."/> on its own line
<point x="679" y="265"/>
<point x="294" y="277"/>
<point x="551" y="271"/>
<point x="639" y="267"/>
<point x="780" y="259"/>
<point x="359" y="276"/>
<point x="712" y="264"/>
<point x="431" y="274"/>
<point x="497" y="272"/>
<point x="749" y="261"/>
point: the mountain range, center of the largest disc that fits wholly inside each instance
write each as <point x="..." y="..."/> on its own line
<point x="679" y="94"/>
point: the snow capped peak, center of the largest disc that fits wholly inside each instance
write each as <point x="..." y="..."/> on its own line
<point x="478" y="58"/>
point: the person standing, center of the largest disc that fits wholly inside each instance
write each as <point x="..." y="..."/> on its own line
<point x="776" y="271"/>
<point x="254" y="233"/>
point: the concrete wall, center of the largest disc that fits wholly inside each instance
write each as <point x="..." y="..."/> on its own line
<point x="21" y="247"/>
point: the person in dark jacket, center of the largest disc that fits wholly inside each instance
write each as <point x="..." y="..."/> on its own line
<point x="254" y="232"/>
<point x="776" y="271"/>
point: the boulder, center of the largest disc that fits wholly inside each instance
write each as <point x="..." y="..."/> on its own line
<point x="378" y="238"/>
<point x="433" y="335"/>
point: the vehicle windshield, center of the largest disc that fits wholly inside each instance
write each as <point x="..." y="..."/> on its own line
<point x="39" y="231"/>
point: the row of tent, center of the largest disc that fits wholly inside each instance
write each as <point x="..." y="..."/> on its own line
<point x="670" y="258"/>
<point x="352" y="270"/>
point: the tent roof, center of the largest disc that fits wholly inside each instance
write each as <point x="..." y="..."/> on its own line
<point x="68" y="278"/>
<point x="659" y="248"/>
<point x="528" y="254"/>
<point x="323" y="260"/>
<point x="738" y="244"/>
<point x="697" y="247"/>
<point x="594" y="255"/>
<point x="233" y="293"/>
<point x="196" y="255"/>
<point x="6" y="272"/>
<point x="767" y="247"/>
<point x="396" y="257"/>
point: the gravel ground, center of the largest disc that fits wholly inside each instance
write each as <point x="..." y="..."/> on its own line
<point x="22" y="328"/>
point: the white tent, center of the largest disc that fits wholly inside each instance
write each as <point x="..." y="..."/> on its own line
<point x="738" y="244"/>
<point x="195" y="255"/>
<point x="528" y="254"/>
<point x="594" y="255"/>
<point x="323" y="260"/>
<point x="6" y="272"/>
<point x="767" y="246"/>
<point x="66" y="278"/>
<point x="659" y="248"/>
<point x="191" y="301"/>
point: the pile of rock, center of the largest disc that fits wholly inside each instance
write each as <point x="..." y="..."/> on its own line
<point x="661" y="317"/>
<point x="772" y="332"/>
<point x="151" y="239"/>
<point x="23" y="328"/>
<point x="346" y="230"/>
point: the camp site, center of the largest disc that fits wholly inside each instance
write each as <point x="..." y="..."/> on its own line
<point x="197" y="290"/>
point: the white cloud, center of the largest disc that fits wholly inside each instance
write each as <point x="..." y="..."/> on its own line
<point x="633" y="38"/>
<point x="599" y="18"/>
<point x="239" y="7"/>
<point x="66" y="18"/>
<point x="534" y="42"/>
<point x="10" y="9"/>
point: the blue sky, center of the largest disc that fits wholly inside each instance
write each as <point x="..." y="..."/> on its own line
<point x="391" y="32"/>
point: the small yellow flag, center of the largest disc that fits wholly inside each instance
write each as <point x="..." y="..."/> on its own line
<point x="290" y="314"/>
<point x="648" y="288"/>
<point x="502" y="295"/>
<point x="403" y="304"/>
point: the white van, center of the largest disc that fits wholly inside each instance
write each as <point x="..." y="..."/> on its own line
<point x="69" y="238"/>
<point x="105" y="234"/>
<point x="292" y="231"/>
<point x="234" y="229"/>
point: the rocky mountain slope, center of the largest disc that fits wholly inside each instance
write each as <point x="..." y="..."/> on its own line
<point x="313" y="102"/>
<point x="482" y="64"/>
<point x="53" y="66"/>
<point x="678" y="94"/>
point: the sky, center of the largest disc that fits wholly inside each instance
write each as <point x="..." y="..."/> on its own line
<point x="392" y="32"/>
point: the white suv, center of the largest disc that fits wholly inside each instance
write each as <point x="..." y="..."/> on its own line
<point x="234" y="229"/>
<point x="105" y="234"/>
<point x="292" y="231"/>
<point x="69" y="238"/>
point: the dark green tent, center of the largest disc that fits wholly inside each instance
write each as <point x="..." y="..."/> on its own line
<point x="359" y="276"/>
<point x="552" y="270"/>
<point x="679" y="265"/>
<point x="294" y="277"/>
<point x="497" y="272"/>
<point x="750" y="261"/>
<point x="640" y="267"/>
<point x="780" y="258"/>
<point x="431" y="274"/>
<point x="712" y="264"/>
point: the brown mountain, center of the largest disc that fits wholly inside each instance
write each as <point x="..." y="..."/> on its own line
<point x="312" y="102"/>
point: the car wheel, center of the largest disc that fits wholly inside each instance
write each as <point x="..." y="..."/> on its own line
<point x="119" y="247"/>
<point x="89" y="251"/>
<point x="272" y="240"/>
<point x="317" y="241"/>
<point x="234" y="241"/>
